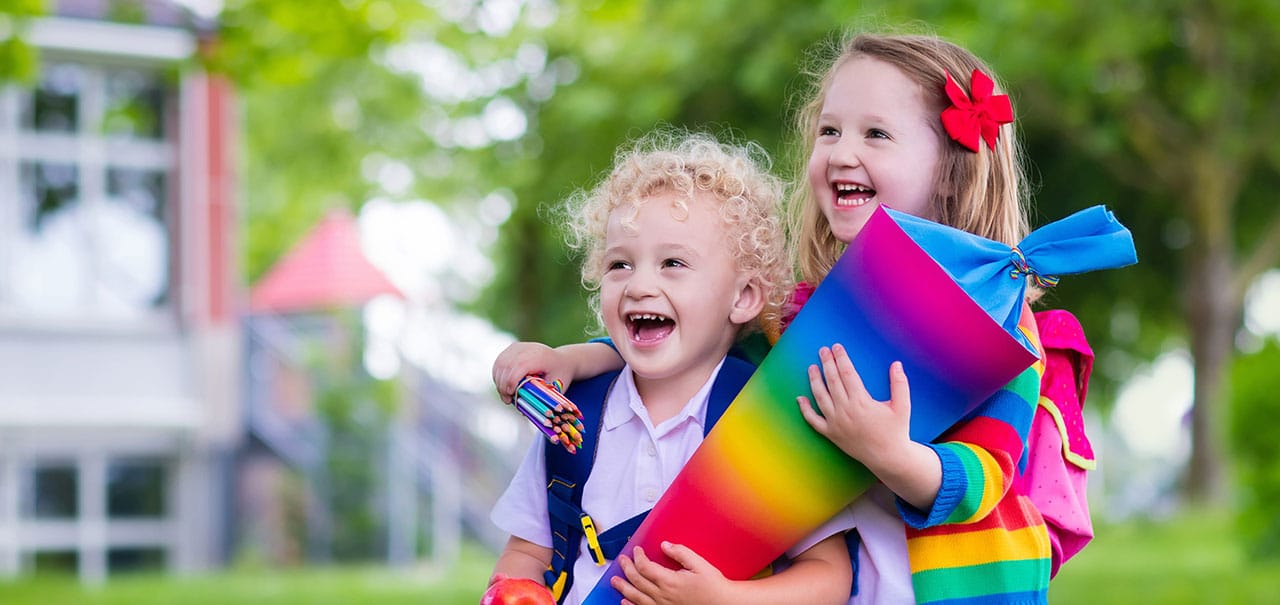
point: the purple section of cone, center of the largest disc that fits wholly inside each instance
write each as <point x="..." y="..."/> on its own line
<point x="907" y="308"/>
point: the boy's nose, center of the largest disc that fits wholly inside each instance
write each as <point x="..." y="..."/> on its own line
<point x="641" y="284"/>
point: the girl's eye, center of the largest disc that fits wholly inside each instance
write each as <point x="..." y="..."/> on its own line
<point x="673" y="262"/>
<point x="828" y="131"/>
<point x="617" y="265"/>
<point x="876" y="133"/>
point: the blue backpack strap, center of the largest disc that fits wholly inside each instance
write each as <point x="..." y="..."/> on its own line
<point x="733" y="375"/>
<point x="566" y="475"/>
<point x="612" y="541"/>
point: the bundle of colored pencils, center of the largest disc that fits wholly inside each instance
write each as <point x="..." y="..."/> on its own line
<point x="549" y="410"/>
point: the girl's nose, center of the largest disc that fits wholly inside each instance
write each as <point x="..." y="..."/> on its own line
<point x="845" y="153"/>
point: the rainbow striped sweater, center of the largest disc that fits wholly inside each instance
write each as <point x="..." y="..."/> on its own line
<point x="983" y="542"/>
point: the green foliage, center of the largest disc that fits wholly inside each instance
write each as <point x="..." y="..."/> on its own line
<point x="19" y="61"/>
<point x="334" y="97"/>
<point x="127" y="11"/>
<point x="1163" y="111"/>
<point x="1254" y="385"/>
<point x="356" y="410"/>
<point x="638" y="65"/>
<point x="297" y="65"/>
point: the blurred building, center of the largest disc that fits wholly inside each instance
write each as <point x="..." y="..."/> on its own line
<point x="119" y="345"/>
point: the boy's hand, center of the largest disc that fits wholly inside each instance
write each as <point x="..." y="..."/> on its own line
<point x="524" y="358"/>
<point x="870" y="431"/>
<point x="649" y="583"/>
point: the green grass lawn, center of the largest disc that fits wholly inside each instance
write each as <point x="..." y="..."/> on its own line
<point x="1193" y="559"/>
<point x="461" y="585"/>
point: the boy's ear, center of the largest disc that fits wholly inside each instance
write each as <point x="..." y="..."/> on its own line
<point x="749" y="303"/>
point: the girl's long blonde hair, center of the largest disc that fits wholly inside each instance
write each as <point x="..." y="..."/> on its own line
<point x="983" y="193"/>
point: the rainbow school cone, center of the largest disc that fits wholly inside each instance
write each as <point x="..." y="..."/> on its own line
<point x="943" y="301"/>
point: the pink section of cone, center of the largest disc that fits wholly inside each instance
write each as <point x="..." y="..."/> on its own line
<point x="326" y="270"/>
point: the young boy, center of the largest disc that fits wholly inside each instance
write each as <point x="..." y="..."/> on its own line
<point x="685" y="250"/>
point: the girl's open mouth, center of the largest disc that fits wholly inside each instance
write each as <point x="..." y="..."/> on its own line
<point x="852" y="196"/>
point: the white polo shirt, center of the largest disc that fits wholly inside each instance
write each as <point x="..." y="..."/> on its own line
<point x="635" y="462"/>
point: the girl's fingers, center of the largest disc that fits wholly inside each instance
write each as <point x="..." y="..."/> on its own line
<point x="813" y="418"/>
<point x="835" y="382"/>
<point x="821" y="396"/>
<point x="848" y="374"/>
<point x="899" y="389"/>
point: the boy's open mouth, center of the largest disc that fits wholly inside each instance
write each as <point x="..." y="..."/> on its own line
<point x="852" y="196"/>
<point x="647" y="328"/>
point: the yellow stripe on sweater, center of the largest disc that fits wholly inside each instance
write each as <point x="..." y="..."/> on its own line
<point x="977" y="548"/>
<point x="992" y="479"/>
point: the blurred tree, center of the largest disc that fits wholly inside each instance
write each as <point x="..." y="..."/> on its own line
<point x="344" y="102"/>
<point x="1156" y="103"/>
<point x="17" y="57"/>
<point x="1175" y="102"/>
<point x="722" y="66"/>
<point x="457" y="103"/>
<point x="1254" y="405"/>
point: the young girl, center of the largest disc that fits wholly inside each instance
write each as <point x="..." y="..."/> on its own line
<point x="908" y="122"/>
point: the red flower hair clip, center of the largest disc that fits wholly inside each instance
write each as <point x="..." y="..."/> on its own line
<point x="967" y="120"/>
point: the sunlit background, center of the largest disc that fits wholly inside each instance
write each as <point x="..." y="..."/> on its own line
<point x="257" y="258"/>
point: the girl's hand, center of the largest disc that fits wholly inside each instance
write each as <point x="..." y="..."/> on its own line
<point x="524" y="358"/>
<point x="870" y="431"/>
<point x="649" y="583"/>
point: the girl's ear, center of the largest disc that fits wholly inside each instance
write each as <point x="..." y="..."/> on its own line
<point x="749" y="302"/>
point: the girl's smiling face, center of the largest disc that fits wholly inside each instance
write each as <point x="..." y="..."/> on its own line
<point x="877" y="143"/>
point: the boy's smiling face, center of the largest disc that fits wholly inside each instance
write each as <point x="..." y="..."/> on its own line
<point x="672" y="295"/>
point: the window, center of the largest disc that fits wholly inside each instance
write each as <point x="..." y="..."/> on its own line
<point x="55" y="492"/>
<point x="86" y="217"/>
<point x="136" y="489"/>
<point x="125" y="499"/>
<point x="123" y="560"/>
<point x="53" y="562"/>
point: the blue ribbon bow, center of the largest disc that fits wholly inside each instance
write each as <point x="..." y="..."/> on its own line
<point x="1088" y="240"/>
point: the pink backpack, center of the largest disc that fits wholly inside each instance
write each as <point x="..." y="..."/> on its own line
<point x="1059" y="454"/>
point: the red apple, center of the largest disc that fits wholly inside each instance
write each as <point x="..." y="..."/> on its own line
<point x="517" y="591"/>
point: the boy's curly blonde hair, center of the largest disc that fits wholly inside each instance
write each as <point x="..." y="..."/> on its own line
<point x="671" y="160"/>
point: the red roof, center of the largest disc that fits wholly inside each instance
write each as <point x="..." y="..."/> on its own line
<point x="326" y="270"/>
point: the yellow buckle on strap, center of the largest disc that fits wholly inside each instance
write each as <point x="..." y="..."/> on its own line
<point x="593" y="540"/>
<point x="557" y="589"/>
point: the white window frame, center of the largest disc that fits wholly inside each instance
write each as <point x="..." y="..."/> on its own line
<point x="96" y="47"/>
<point x="91" y="534"/>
